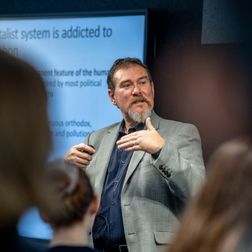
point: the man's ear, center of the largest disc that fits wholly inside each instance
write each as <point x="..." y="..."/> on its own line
<point x="111" y="96"/>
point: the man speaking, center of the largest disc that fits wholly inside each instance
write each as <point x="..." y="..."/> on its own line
<point x="144" y="167"/>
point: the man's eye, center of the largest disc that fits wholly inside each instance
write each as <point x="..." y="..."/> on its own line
<point x="142" y="82"/>
<point x="126" y="85"/>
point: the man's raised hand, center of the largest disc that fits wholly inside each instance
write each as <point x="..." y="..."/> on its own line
<point x="80" y="155"/>
<point x="148" y="140"/>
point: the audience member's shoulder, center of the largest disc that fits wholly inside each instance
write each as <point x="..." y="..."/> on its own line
<point x="31" y="245"/>
<point x="71" y="249"/>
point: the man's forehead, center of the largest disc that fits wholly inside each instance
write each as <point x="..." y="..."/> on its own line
<point x="132" y="71"/>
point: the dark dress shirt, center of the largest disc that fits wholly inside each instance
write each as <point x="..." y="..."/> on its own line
<point x="108" y="225"/>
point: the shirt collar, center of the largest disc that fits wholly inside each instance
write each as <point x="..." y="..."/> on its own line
<point x="139" y="126"/>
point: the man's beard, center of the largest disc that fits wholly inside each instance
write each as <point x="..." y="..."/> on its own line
<point x="139" y="117"/>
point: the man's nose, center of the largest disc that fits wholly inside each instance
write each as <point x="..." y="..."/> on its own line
<point x="136" y="89"/>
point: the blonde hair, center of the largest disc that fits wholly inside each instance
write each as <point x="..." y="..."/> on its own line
<point x="24" y="136"/>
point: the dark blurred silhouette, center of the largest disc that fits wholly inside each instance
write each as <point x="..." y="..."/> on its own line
<point x="25" y="144"/>
<point x="207" y="85"/>
<point x="74" y="209"/>
<point x="219" y="218"/>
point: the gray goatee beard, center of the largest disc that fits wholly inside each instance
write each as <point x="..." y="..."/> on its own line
<point x="139" y="117"/>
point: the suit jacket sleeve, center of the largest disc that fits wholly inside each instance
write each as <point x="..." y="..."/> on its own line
<point x="180" y="161"/>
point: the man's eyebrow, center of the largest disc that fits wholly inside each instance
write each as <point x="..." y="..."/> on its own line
<point x="140" y="78"/>
<point x="143" y="78"/>
<point x="124" y="81"/>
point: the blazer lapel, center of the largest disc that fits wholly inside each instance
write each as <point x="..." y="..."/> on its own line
<point x="155" y="119"/>
<point x="103" y="157"/>
<point x="135" y="159"/>
<point x="138" y="155"/>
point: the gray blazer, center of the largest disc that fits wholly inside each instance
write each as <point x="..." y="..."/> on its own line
<point x="154" y="190"/>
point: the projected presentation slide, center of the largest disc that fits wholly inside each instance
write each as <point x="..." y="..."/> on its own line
<point x="73" y="54"/>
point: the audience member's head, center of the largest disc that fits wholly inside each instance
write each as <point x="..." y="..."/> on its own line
<point x="75" y="203"/>
<point x="24" y="136"/>
<point x="219" y="218"/>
